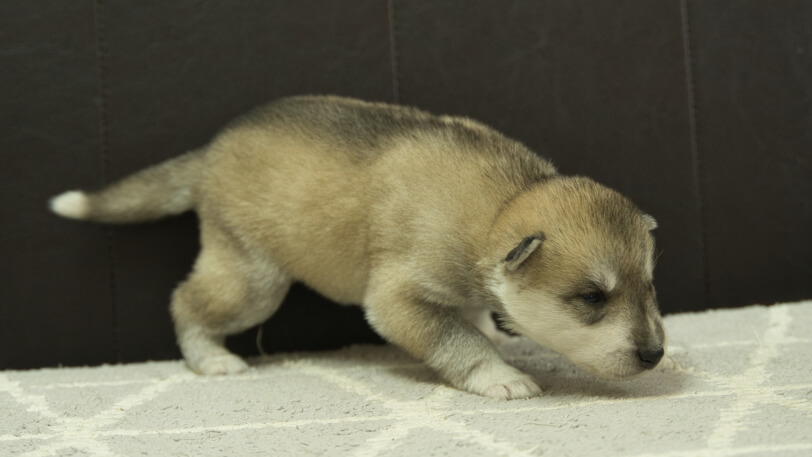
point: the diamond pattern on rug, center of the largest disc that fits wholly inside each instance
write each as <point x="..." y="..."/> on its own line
<point x="735" y="382"/>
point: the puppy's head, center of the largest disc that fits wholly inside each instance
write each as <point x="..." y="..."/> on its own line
<point x="576" y="276"/>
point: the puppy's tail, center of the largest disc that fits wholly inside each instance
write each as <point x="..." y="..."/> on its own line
<point x="162" y="190"/>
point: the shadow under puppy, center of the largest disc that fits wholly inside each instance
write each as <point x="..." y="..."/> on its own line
<point x="422" y="220"/>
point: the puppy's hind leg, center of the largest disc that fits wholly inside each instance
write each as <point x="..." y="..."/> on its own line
<point x="229" y="290"/>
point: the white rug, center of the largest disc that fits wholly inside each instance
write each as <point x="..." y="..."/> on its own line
<point x="737" y="382"/>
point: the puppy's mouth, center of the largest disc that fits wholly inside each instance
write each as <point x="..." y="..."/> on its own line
<point x="621" y="365"/>
<point x="502" y="323"/>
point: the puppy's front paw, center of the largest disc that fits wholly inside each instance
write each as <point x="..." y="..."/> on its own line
<point x="513" y="390"/>
<point x="503" y="382"/>
<point x="221" y="365"/>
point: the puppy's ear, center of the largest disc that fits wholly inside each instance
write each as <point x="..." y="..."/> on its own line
<point x="522" y="251"/>
<point x="650" y="222"/>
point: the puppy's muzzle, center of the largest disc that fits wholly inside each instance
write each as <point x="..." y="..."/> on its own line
<point x="650" y="357"/>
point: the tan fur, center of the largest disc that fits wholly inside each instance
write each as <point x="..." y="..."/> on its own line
<point x="410" y="215"/>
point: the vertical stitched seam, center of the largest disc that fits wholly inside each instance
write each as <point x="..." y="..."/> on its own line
<point x="695" y="158"/>
<point x="101" y="74"/>
<point x="393" y="51"/>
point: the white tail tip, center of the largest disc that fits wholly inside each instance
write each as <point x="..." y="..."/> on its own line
<point x="73" y="204"/>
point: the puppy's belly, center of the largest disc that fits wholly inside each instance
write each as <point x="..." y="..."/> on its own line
<point x="328" y="259"/>
<point x="342" y="285"/>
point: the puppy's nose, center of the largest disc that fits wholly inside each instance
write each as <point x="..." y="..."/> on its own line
<point x="650" y="357"/>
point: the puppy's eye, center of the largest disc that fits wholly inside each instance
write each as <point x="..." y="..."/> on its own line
<point x="594" y="298"/>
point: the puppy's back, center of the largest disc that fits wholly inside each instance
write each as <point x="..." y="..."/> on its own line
<point x="327" y="185"/>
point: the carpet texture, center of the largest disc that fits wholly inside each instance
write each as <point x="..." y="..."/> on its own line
<point x="735" y="382"/>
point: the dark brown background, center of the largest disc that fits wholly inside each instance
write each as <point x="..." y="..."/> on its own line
<point x="700" y="111"/>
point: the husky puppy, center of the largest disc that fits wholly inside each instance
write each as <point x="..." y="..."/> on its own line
<point x="420" y="219"/>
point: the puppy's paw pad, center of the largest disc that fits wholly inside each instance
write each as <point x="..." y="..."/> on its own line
<point x="222" y="365"/>
<point x="513" y="390"/>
